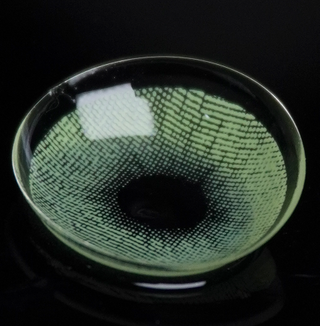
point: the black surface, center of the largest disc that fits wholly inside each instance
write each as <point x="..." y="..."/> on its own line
<point x="277" y="43"/>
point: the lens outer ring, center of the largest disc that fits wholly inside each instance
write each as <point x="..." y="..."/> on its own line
<point x="277" y="109"/>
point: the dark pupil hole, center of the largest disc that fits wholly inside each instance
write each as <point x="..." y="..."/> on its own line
<point x="163" y="202"/>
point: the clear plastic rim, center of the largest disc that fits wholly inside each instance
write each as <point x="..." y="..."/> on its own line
<point x="97" y="254"/>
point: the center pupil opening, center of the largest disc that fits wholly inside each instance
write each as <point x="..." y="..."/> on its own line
<point x="163" y="201"/>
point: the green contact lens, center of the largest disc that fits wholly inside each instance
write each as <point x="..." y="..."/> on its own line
<point x="163" y="166"/>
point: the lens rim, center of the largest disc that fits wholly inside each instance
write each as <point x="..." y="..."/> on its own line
<point x="296" y="163"/>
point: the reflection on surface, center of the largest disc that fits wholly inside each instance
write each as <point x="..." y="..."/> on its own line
<point x="246" y="295"/>
<point x="114" y="112"/>
<point x="250" y="297"/>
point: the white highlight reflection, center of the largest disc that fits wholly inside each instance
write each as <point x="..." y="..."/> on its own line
<point x="114" y="112"/>
<point x="167" y="286"/>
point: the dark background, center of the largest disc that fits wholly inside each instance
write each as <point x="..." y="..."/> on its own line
<point x="275" y="42"/>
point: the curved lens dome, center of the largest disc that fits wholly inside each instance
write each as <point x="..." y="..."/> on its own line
<point x="160" y="166"/>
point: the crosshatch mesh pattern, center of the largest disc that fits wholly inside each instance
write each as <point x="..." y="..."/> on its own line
<point x="75" y="180"/>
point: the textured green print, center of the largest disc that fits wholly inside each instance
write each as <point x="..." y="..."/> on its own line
<point x="89" y="155"/>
